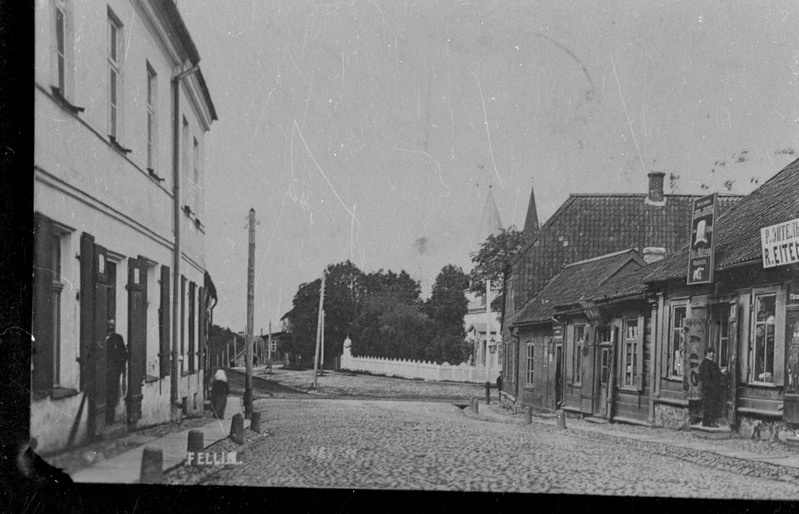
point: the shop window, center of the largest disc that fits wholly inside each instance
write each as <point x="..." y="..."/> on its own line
<point x="676" y="339"/>
<point x="762" y="338"/>
<point x="630" y="352"/>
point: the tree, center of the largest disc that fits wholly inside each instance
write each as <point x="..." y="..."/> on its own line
<point x="343" y="298"/>
<point x="387" y="297"/>
<point x="447" y="307"/>
<point x="489" y="262"/>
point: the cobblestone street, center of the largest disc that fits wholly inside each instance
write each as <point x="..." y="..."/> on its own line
<point x="435" y="446"/>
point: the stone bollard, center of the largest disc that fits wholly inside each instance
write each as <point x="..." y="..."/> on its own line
<point x="255" y="422"/>
<point x="195" y="446"/>
<point x="528" y="415"/>
<point x="152" y="466"/>
<point x="237" y="429"/>
<point x="560" y="416"/>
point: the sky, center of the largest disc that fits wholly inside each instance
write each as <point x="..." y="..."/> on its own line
<point x="371" y="130"/>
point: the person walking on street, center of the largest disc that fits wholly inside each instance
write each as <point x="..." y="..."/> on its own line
<point x="710" y="377"/>
<point x="499" y="385"/>
<point x="116" y="361"/>
<point x="219" y="392"/>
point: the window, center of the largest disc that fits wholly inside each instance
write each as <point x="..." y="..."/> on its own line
<point x="196" y="184"/>
<point x="114" y="72"/>
<point x="630" y="353"/>
<point x="763" y="332"/>
<point x="185" y="155"/>
<point x="721" y="319"/>
<point x="676" y="343"/>
<point x="61" y="45"/>
<point x="604" y="336"/>
<point x="152" y="128"/>
<point x="530" y="362"/>
<point x="46" y="355"/>
<point x="579" y="341"/>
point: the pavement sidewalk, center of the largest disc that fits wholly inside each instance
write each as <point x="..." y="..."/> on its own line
<point x="125" y="468"/>
<point x="733" y="447"/>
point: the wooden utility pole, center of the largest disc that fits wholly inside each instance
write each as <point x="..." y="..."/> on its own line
<point x="269" y="343"/>
<point x="488" y="341"/>
<point x="319" y="325"/>
<point x="248" y="337"/>
<point x="322" y="356"/>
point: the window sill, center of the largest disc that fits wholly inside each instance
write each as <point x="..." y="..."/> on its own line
<point x="148" y="379"/>
<point x="119" y="147"/>
<point x="154" y="175"/>
<point x="762" y="385"/>
<point x="528" y="388"/>
<point x="74" y="109"/>
<point x="56" y="393"/>
<point x="629" y="389"/>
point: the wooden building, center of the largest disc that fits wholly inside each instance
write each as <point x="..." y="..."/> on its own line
<point x="749" y="314"/>
<point x="584" y="227"/>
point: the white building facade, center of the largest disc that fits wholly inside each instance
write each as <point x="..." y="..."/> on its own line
<point x="121" y="111"/>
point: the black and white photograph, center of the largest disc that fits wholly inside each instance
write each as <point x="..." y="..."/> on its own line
<point x="494" y="246"/>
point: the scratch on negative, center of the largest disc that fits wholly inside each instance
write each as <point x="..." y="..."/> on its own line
<point x="488" y="131"/>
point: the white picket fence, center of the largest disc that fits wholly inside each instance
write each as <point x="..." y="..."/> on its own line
<point x="416" y="369"/>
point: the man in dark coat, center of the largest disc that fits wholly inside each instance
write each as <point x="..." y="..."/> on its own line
<point x="116" y="359"/>
<point x="499" y="385"/>
<point x="710" y="377"/>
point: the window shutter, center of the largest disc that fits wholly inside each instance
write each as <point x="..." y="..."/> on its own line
<point x="192" y="321"/>
<point x="745" y="321"/>
<point x="779" y="338"/>
<point x="86" y="310"/>
<point x="42" y="355"/>
<point x="639" y="364"/>
<point x="164" y="323"/>
<point x="569" y="344"/>
<point x="201" y="329"/>
<point x="664" y="322"/>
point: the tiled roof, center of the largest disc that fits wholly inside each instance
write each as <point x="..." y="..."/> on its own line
<point x="576" y="282"/>
<point x="587" y="225"/>
<point x="737" y="232"/>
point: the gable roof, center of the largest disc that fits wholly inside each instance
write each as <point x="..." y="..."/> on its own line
<point x="737" y="231"/>
<point x="587" y="225"/>
<point x="576" y="282"/>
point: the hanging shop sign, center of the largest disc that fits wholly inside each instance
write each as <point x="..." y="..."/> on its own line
<point x="780" y="244"/>
<point x="700" y="253"/>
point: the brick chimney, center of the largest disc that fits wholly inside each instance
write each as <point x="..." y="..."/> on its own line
<point x="655" y="195"/>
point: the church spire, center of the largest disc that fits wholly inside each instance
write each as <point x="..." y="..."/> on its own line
<point x="490" y="223"/>
<point x="531" y="226"/>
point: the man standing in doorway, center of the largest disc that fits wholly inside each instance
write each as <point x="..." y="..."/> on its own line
<point x="710" y="377"/>
<point x="117" y="358"/>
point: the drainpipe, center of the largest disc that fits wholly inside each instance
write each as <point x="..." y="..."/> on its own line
<point x="175" y="382"/>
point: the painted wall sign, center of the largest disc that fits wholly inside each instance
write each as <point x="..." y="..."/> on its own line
<point x="700" y="253"/>
<point x="780" y="244"/>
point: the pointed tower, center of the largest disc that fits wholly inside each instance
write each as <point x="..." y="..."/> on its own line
<point x="490" y="223"/>
<point x="531" y="226"/>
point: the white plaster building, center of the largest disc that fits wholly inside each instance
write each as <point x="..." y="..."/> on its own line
<point x="121" y="111"/>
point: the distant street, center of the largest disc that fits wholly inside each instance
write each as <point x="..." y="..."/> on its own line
<point x="435" y="446"/>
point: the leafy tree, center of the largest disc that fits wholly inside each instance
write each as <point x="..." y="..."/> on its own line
<point x="447" y="307"/>
<point x="490" y="260"/>
<point x="386" y="295"/>
<point x="343" y="297"/>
